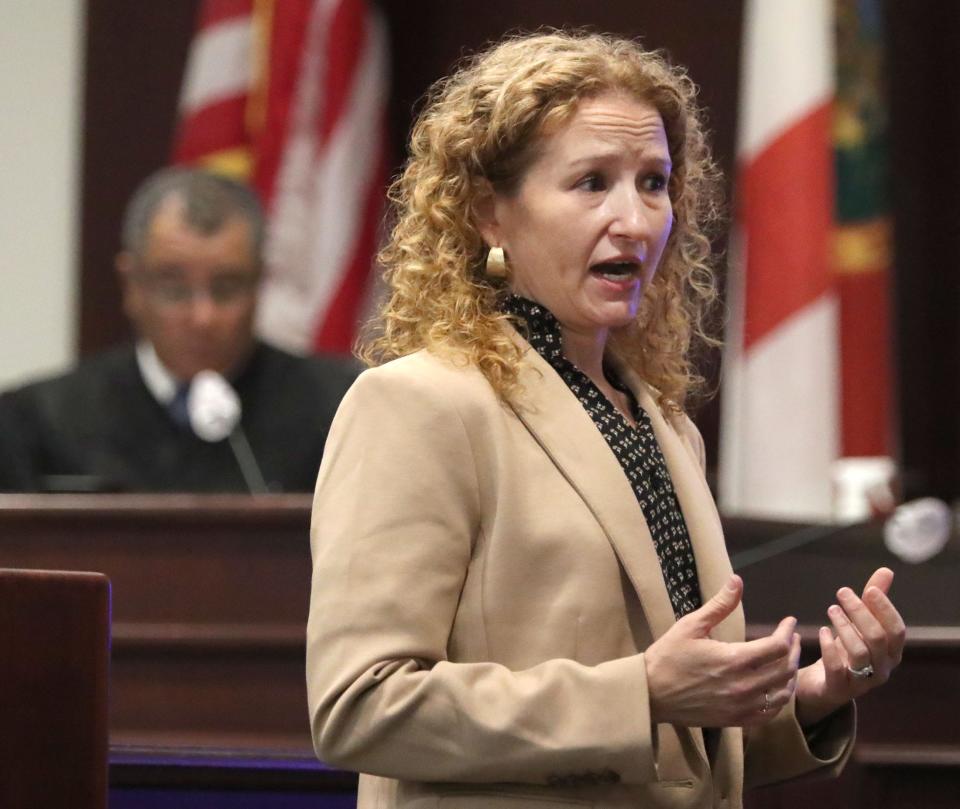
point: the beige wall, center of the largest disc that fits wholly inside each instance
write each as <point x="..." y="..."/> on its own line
<point x="40" y="98"/>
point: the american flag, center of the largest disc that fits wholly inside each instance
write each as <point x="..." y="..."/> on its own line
<point x="290" y="95"/>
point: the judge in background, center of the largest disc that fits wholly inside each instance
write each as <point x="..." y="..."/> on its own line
<point x="521" y="595"/>
<point x="190" y="266"/>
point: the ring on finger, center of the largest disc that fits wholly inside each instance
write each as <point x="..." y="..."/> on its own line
<point x="861" y="673"/>
<point x="766" y="702"/>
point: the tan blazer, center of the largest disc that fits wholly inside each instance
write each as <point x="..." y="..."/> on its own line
<point x="484" y="587"/>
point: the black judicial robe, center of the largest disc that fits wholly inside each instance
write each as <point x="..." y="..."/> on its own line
<point x="98" y="428"/>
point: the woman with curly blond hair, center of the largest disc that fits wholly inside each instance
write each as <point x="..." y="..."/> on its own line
<point x="521" y="595"/>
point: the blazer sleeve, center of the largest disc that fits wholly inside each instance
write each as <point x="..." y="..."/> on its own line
<point x="396" y="515"/>
<point x="781" y="751"/>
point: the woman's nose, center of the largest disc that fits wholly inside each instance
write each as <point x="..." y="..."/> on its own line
<point x="630" y="217"/>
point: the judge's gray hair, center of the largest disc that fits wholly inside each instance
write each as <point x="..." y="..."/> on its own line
<point x="209" y="200"/>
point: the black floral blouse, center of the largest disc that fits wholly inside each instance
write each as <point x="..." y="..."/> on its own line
<point x="636" y="449"/>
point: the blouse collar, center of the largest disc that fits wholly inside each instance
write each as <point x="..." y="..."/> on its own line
<point x="542" y="327"/>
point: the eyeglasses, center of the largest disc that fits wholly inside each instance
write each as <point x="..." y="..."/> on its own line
<point x="222" y="291"/>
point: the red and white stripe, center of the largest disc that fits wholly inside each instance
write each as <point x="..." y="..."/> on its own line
<point x="216" y="88"/>
<point x="312" y="92"/>
<point x="219" y="67"/>
<point x="780" y="427"/>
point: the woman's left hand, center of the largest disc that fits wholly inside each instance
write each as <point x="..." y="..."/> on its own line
<point x="867" y="647"/>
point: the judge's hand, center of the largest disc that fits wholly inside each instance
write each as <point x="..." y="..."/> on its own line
<point x="869" y="640"/>
<point x="696" y="681"/>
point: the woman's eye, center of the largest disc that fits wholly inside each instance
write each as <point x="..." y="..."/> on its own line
<point x="592" y="182"/>
<point x="654" y="182"/>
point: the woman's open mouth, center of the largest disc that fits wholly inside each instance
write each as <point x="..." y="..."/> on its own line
<point x="617" y="270"/>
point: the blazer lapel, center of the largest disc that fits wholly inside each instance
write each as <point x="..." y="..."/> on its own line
<point x="699" y="513"/>
<point x="697" y="505"/>
<point x="568" y="435"/>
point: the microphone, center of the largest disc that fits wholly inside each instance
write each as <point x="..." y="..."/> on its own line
<point x="214" y="410"/>
<point x="918" y="530"/>
<point x="915" y="532"/>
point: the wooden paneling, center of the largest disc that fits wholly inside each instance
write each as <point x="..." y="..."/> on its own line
<point x="135" y="56"/>
<point x="210" y="598"/>
<point x="924" y="68"/>
<point x="210" y="604"/>
<point x="54" y="662"/>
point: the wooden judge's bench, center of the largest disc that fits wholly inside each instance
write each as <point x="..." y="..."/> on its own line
<point x="209" y="603"/>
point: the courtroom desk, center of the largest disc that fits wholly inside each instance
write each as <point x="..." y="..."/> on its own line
<point x="210" y="598"/>
<point x="803" y="582"/>
<point x="209" y="778"/>
<point x="907" y="752"/>
<point x="908" y="741"/>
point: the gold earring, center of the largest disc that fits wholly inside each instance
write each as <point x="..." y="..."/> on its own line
<point x="496" y="263"/>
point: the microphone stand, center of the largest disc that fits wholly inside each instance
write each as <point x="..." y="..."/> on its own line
<point x="243" y="452"/>
<point x="789" y="542"/>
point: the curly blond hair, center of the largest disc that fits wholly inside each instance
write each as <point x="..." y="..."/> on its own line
<point x="480" y="127"/>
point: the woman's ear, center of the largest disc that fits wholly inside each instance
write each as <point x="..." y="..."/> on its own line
<point x="484" y="208"/>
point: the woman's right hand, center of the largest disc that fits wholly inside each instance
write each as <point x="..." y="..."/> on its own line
<point x="696" y="681"/>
